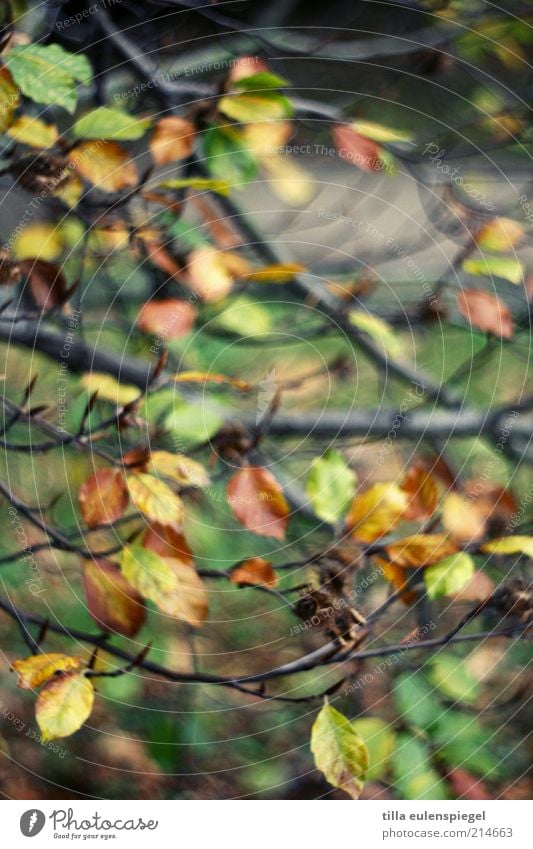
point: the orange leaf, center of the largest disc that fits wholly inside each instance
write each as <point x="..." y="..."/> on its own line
<point x="422" y="491"/>
<point x="420" y="550"/>
<point x="257" y="500"/>
<point x="376" y="511"/>
<point x="398" y="578"/>
<point x="35" y="670"/>
<point x="169" y="319"/>
<point x="47" y="283"/>
<point x="210" y="273"/>
<point x="103" y="497"/>
<point x="168" y="541"/>
<point x="500" y="234"/>
<point x="255" y="572"/>
<point x="112" y="602"/>
<point x="355" y="148"/>
<point x="282" y="272"/>
<point x="172" y="139"/>
<point x="105" y="164"/>
<point x="486" y="312"/>
<point x="155" y="499"/>
<point x="207" y="377"/>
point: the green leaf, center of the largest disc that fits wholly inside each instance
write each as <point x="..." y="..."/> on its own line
<point x="330" y="486"/>
<point x="108" y="123"/>
<point x="380" y="740"/>
<point x="245" y="317"/>
<point x="193" y="424"/>
<point x="255" y="106"/>
<point x="47" y="74"/>
<point x="509" y="268"/>
<point x="378" y="329"/>
<point x="200" y="183"/>
<point x="462" y="740"/>
<point x="227" y="157"/>
<point x="413" y="772"/>
<point x="189" y="235"/>
<point x="415" y="701"/>
<point x="449" y="576"/>
<point x="453" y="678"/>
<point x="262" y="80"/>
<point x="339" y="752"/>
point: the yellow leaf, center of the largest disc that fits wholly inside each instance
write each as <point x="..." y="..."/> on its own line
<point x="105" y="164"/>
<point x="339" y="752"/>
<point x="180" y="468"/>
<point x="33" y="132"/>
<point x="282" y="272"/>
<point x="509" y="545"/>
<point x="500" y="234"/>
<point x="206" y="377"/>
<point x="464" y="519"/>
<point x="110" y="389"/>
<point x="288" y="180"/>
<point x="39" y="241"/>
<point x="261" y="138"/>
<point x="210" y="272"/>
<point x="38" y="668"/>
<point x="9" y="99"/>
<point x="172" y="139"/>
<point x="379" y="133"/>
<point x="155" y="499"/>
<point x="376" y="511"/>
<point x="64" y="704"/>
<point x="420" y="550"/>
<point x="69" y="191"/>
<point x="378" y="329"/>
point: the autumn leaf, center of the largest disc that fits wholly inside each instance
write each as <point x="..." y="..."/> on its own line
<point x="211" y="377"/>
<point x="420" y="550"/>
<point x="449" y="576"/>
<point x="110" y="389"/>
<point x="500" y="234"/>
<point x="35" y="670"/>
<point x="486" y="312"/>
<point x="282" y="272"/>
<point x="105" y="164"/>
<point x="509" y="268"/>
<point x="464" y="518"/>
<point x="376" y="511"/>
<point x="46" y="283"/>
<point x="32" y="131"/>
<point x="103" y="497"/>
<point x="330" y="486"/>
<point x="168" y="541"/>
<point x="170" y="319"/>
<point x="112" y="602"/>
<point x="339" y="752"/>
<point x="398" y="577"/>
<point x="174" y="586"/>
<point x="155" y="499"/>
<point x="172" y="139"/>
<point x="210" y="273"/>
<point x="254" y="572"/>
<point x="509" y="545"/>
<point x="64" y="704"/>
<point x="9" y="99"/>
<point x="357" y="149"/>
<point x="178" y="467"/>
<point x="257" y="500"/>
<point x="422" y="491"/>
<point x="378" y="329"/>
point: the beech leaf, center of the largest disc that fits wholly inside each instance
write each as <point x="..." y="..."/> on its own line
<point x="64" y="704"/>
<point x="339" y="752"/>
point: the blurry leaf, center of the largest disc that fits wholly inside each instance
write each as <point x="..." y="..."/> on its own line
<point x="357" y="149"/>
<point x="415" y="701"/>
<point x="449" y="576"/>
<point x="398" y="577"/>
<point x="226" y="155"/>
<point x="254" y="572"/>
<point x="171" y="584"/>
<point x="46" y="282"/>
<point x="379" y="330"/>
<point x="257" y="501"/>
<point x="207" y="377"/>
<point x="452" y="677"/>
<point x="210" y="272"/>
<point x="379" y="738"/>
<point x="245" y="317"/>
<point x="103" y="497"/>
<point x="262" y="138"/>
<point x="171" y="318"/>
<point x="246" y="66"/>
<point x="32" y="131"/>
<point x="415" y="777"/>
<point x="155" y="499"/>
<point x="420" y="550"/>
<point x="287" y="180"/>
<point x="278" y="273"/>
<point x="500" y="234"/>
<point x="465" y="786"/>
<point x="111" y="601"/>
<point x="69" y="191"/>
<point x="35" y="670"/>
<point x="486" y="312"/>
<point x="203" y="184"/>
<point x="180" y="468"/>
<point x="64" y="704"/>
<point x="172" y="139"/>
<point x="376" y="511"/>
<point x="162" y="259"/>
<point x="9" y="99"/>
<point x="460" y="738"/>
<point x="105" y="122"/>
<point x="105" y="164"/>
<point x="509" y="268"/>
<point x="379" y="133"/>
<point x="193" y="424"/>
<point x="478" y="588"/>
<point x="168" y="541"/>
<point x="339" y="752"/>
<point x="39" y="241"/>
<point x="48" y="74"/>
<point x="110" y="389"/>
<point x="330" y="486"/>
<point x="510" y="545"/>
<point x="261" y="80"/>
<point x="255" y="106"/>
<point x="421" y="487"/>
<point x="464" y="518"/>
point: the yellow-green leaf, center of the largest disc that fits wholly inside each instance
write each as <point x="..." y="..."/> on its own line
<point x="339" y="752"/>
<point x="48" y="73"/>
<point x="449" y="576"/>
<point x="509" y="545"/>
<point x="64" y="704"/>
<point x="207" y="184"/>
<point x="378" y="329"/>
<point x="379" y="133"/>
<point x="509" y="268"/>
<point x="33" y="132"/>
<point x="330" y="486"/>
<point x="500" y="234"/>
<point x="180" y="468"/>
<point x="380" y="740"/>
<point x="255" y="106"/>
<point x="110" y="389"/>
<point x="107" y="123"/>
<point x="35" y="670"/>
<point x="155" y="499"/>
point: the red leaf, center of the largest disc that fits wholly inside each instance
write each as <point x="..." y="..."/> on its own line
<point x="486" y="312"/>
<point x="467" y="786"/>
<point x="111" y="600"/>
<point x="257" y="500"/>
<point x="167" y="541"/>
<point x="103" y="497"/>
<point x="170" y="319"/>
<point x="47" y="283"/>
<point x="355" y="148"/>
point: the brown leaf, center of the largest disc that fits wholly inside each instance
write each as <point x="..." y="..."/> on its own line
<point x="356" y="149"/>
<point x="398" y="578"/>
<point x="172" y="139"/>
<point x="486" y="312"/>
<point x="421" y="488"/>
<point x="467" y="786"/>
<point x="47" y="283"/>
<point x="161" y="258"/>
<point x="105" y="164"/>
<point x="170" y="319"/>
<point x="257" y="500"/>
<point x="112" y="602"/>
<point x="103" y="497"/>
<point x="421" y="550"/>
<point x="255" y="572"/>
<point x="168" y="541"/>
